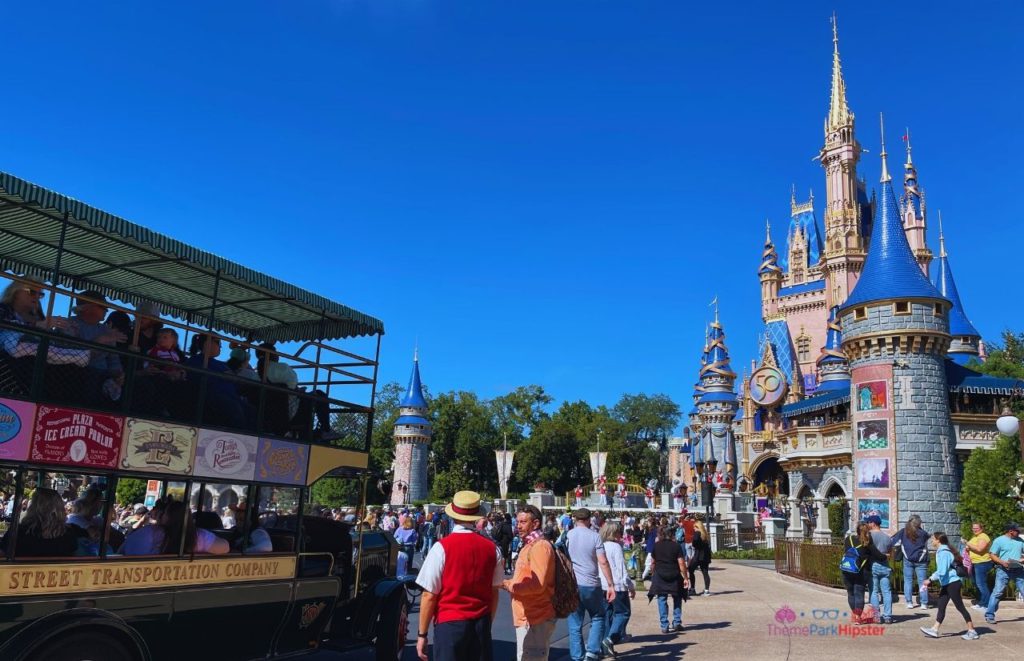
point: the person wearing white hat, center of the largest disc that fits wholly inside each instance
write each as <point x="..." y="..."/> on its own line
<point x="460" y="578"/>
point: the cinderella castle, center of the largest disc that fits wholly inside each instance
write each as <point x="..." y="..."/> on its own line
<point x="863" y="390"/>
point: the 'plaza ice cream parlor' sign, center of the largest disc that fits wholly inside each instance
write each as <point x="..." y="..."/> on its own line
<point x="72" y="436"/>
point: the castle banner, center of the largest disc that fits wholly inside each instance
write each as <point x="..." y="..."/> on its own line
<point x="874" y="446"/>
<point x="504" y="460"/>
<point x="597" y="464"/>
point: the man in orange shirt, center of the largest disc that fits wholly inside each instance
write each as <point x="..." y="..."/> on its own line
<point x="533" y="588"/>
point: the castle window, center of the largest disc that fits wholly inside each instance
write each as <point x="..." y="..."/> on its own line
<point x="940" y="309"/>
<point x="902" y="307"/>
<point x="803" y="348"/>
<point x="860" y="314"/>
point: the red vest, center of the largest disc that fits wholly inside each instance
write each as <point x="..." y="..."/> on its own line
<point x="466" y="588"/>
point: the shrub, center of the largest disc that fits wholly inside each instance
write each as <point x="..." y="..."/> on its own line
<point x="837" y="518"/>
<point x="745" y="554"/>
<point x="988" y="476"/>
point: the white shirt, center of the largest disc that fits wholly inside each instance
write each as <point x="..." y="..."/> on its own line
<point x="429" y="576"/>
<point x="617" y="561"/>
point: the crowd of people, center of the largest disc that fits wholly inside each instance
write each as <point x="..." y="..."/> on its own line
<point x="166" y="381"/>
<point x="582" y="566"/>
<point x="866" y="568"/>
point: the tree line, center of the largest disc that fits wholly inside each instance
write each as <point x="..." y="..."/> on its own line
<point x="551" y="446"/>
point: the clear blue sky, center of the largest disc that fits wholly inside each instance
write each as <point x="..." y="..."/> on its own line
<point x="541" y="192"/>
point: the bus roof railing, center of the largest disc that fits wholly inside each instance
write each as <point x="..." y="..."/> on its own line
<point x="47" y="234"/>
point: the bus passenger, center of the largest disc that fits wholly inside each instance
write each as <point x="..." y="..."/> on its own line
<point x="166" y="536"/>
<point x="104" y="374"/>
<point x="43" y="530"/>
<point x="224" y="404"/>
<point x="20" y="306"/>
<point x="259" y="540"/>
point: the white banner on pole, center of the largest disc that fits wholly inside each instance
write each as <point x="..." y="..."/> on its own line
<point x="598" y="460"/>
<point x="504" y="459"/>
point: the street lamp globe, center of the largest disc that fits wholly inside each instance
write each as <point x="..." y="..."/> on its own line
<point x="1008" y="424"/>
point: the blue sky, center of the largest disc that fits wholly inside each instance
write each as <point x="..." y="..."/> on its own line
<point x="540" y="192"/>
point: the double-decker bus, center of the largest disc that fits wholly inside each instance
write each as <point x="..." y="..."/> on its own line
<point x="215" y="394"/>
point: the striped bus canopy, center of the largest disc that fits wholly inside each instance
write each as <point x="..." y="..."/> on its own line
<point x="130" y="263"/>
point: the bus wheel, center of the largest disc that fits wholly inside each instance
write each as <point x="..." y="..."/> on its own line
<point x="393" y="629"/>
<point x="85" y="646"/>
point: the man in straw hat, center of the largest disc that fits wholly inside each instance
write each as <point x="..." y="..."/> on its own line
<point x="460" y="578"/>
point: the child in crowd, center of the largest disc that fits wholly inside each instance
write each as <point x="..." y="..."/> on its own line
<point x="166" y="348"/>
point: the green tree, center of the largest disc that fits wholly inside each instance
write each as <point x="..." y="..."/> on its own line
<point x="462" y="450"/>
<point x="552" y="456"/>
<point x="130" y="491"/>
<point x="335" y="492"/>
<point x="988" y="478"/>
<point x="1005" y="360"/>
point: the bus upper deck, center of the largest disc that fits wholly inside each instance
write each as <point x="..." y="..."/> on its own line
<point x="95" y="388"/>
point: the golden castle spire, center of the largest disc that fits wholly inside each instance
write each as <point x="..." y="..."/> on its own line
<point x="839" y="114"/>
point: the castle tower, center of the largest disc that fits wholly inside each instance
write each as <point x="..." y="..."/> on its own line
<point x="412" y="440"/>
<point x="915" y="221"/>
<point x="770" y="275"/>
<point x="847" y="216"/>
<point x="895" y="331"/>
<point x="966" y="341"/>
<point x="833" y="367"/>
<point x="717" y="404"/>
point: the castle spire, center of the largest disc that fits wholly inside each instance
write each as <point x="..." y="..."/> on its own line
<point x="910" y="161"/>
<point x="965" y="335"/>
<point x="414" y="394"/>
<point x="885" y="157"/>
<point x="890" y="271"/>
<point x="942" y="238"/>
<point x="839" y="114"/>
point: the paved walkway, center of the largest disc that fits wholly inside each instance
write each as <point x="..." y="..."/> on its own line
<point x="737" y="620"/>
<point x="735" y="623"/>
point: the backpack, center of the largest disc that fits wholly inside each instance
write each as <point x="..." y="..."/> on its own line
<point x="567" y="592"/>
<point x="852" y="563"/>
<point x="958" y="565"/>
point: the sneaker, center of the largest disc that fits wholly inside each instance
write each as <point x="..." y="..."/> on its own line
<point x="678" y="628"/>
<point x="990" y="620"/>
<point x="911" y="606"/>
<point x="978" y="607"/>
<point x="664" y="630"/>
<point x="886" y="620"/>
<point x="608" y="647"/>
<point x="970" y="635"/>
<point x="930" y="632"/>
<point x="707" y="593"/>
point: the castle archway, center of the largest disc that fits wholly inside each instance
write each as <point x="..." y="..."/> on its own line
<point x="769" y="473"/>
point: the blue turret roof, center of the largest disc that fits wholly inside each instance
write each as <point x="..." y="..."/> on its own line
<point x="890" y="271"/>
<point x="959" y="324"/>
<point x="414" y="395"/>
<point x="832" y="352"/>
<point x="717" y="365"/>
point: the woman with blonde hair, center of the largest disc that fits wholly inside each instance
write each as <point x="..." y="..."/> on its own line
<point x="619" y="611"/>
<point x="701" y="558"/>
<point x="43" y="530"/>
<point x="406" y="537"/>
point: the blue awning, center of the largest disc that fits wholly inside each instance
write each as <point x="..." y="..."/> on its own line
<point x="828" y="400"/>
<point x="962" y="379"/>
